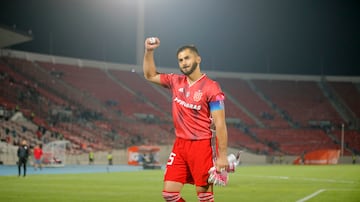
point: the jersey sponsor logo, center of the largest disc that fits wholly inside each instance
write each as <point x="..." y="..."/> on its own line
<point x="187" y="105"/>
<point x="197" y="96"/>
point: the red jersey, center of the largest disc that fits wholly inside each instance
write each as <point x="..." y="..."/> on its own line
<point x="190" y="104"/>
<point x="37" y="153"/>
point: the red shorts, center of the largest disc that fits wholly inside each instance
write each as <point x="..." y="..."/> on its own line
<point x="190" y="161"/>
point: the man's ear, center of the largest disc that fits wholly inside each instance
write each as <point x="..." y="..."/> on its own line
<point x="198" y="59"/>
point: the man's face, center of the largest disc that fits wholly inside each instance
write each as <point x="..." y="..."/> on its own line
<point x="188" y="61"/>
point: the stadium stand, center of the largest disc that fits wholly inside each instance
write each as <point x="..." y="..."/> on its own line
<point x="95" y="81"/>
<point x="100" y="109"/>
<point x="244" y="141"/>
<point x="242" y="92"/>
<point x="349" y="94"/>
<point x="295" y="141"/>
<point x="301" y="101"/>
<point x="351" y="140"/>
<point x="141" y="87"/>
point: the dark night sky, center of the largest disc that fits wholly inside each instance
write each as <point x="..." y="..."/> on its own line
<point x="258" y="36"/>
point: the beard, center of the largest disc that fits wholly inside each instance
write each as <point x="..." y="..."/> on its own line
<point x="191" y="70"/>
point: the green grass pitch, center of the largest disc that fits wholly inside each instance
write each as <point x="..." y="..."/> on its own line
<point x="272" y="183"/>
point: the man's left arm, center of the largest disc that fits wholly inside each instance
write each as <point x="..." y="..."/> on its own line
<point x="222" y="138"/>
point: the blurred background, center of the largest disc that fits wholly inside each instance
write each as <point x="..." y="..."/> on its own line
<point x="71" y="71"/>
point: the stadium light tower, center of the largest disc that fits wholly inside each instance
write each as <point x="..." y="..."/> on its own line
<point x="342" y="140"/>
<point x="140" y="32"/>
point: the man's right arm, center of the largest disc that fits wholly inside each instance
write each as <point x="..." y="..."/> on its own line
<point x="149" y="67"/>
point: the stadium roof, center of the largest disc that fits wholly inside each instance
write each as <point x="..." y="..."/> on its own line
<point x="254" y="36"/>
<point x="10" y="37"/>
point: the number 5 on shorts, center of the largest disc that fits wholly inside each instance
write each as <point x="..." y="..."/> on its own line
<point x="171" y="158"/>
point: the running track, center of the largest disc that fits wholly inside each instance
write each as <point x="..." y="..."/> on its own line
<point x="8" y="170"/>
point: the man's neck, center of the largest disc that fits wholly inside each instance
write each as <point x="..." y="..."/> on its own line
<point x="194" y="77"/>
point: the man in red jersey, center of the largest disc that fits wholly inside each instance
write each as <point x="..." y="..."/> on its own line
<point x="38" y="156"/>
<point x="197" y="104"/>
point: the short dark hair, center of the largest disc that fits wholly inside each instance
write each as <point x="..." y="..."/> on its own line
<point x="190" y="47"/>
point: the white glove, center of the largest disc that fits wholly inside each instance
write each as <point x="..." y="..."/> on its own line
<point x="218" y="178"/>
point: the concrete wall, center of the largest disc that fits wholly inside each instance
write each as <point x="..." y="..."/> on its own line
<point x="8" y="155"/>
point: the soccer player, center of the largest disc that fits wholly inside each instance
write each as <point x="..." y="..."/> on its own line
<point x="197" y="103"/>
<point x="38" y="152"/>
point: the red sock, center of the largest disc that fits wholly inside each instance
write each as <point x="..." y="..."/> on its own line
<point x="172" y="196"/>
<point x="205" y="196"/>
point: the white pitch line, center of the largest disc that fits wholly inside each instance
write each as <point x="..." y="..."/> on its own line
<point x="302" y="178"/>
<point x="311" y="195"/>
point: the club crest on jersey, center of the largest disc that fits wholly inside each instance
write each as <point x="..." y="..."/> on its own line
<point x="197" y="96"/>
